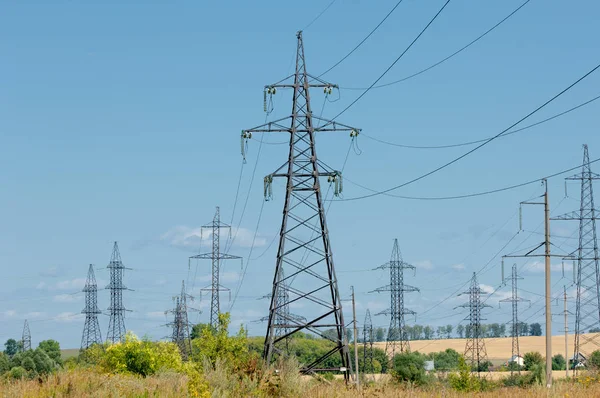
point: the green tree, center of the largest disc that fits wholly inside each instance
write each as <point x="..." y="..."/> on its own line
<point x="464" y="381"/>
<point x="217" y="344"/>
<point x="449" y="331"/>
<point x="197" y="330"/>
<point x="445" y="360"/>
<point x="531" y="359"/>
<point x="409" y="366"/>
<point x="558" y="362"/>
<point x="594" y="360"/>
<point x="460" y="329"/>
<point x="535" y="329"/>
<point x="380" y="334"/>
<point x="11" y="347"/>
<point x="4" y="363"/>
<point x="428" y="332"/>
<point x="52" y="348"/>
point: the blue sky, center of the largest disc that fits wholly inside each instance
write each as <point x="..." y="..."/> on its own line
<point x="121" y="121"/>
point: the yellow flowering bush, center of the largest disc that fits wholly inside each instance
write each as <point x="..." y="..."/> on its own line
<point x="141" y="357"/>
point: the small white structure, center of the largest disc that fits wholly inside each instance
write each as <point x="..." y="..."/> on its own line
<point x="516" y="359"/>
<point x="429" y="366"/>
<point x="579" y="360"/>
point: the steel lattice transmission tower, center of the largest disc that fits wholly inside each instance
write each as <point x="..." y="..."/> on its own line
<point x="515" y="300"/>
<point x="475" y="352"/>
<point x="283" y="316"/>
<point x="181" y="325"/>
<point x="587" y="311"/>
<point x="116" y="324"/>
<point x="367" y="367"/>
<point x="397" y="338"/>
<point x="215" y="256"/>
<point x="26" y="337"/>
<point x="304" y="250"/>
<point x="91" y="328"/>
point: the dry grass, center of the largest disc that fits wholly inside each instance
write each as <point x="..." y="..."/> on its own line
<point x="88" y="383"/>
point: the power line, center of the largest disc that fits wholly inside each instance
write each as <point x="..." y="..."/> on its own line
<point x="465" y="195"/>
<point x="448" y="57"/>
<point x="484" y="139"/>
<point x="363" y="40"/>
<point x="395" y="62"/>
<point x="319" y="15"/>
<point x="478" y="146"/>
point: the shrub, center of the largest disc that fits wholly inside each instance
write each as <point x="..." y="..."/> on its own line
<point x="593" y="361"/>
<point x="532" y="358"/>
<point x="217" y="344"/>
<point x="4" y="363"/>
<point x="409" y="366"/>
<point x="464" y="381"/>
<point x="445" y="360"/>
<point x="141" y="357"/>
<point x="17" y="373"/>
<point x="558" y="362"/>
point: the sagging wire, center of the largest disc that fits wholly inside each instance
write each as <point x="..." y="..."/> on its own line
<point x="354" y="142"/>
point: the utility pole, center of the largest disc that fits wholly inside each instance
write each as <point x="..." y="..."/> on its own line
<point x="475" y="351"/>
<point x="116" y="324"/>
<point x="368" y="340"/>
<point x="355" y="338"/>
<point x="548" y="288"/>
<point x="515" y="299"/>
<point x="587" y="310"/>
<point x="304" y="248"/>
<point x="91" y="328"/>
<point x="26" y="337"/>
<point x="215" y="256"/>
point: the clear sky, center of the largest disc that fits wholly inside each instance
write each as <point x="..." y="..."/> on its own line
<point x="120" y="120"/>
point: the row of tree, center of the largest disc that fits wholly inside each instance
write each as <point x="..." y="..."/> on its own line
<point x="427" y="332"/>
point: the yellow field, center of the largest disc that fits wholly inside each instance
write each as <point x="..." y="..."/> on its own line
<point x="499" y="349"/>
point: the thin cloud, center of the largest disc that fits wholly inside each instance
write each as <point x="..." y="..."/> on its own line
<point x="185" y="237"/>
<point x="458" y="267"/>
<point x="425" y="264"/>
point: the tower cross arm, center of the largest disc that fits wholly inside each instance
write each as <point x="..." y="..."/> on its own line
<point x="277" y="126"/>
<point x="209" y="256"/>
<point x="574" y="215"/>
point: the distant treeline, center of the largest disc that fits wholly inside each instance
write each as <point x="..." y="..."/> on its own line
<point x="427" y="332"/>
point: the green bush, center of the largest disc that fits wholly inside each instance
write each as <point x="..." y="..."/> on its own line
<point x="35" y="362"/>
<point x="141" y="357"/>
<point x="217" y="344"/>
<point x="17" y="373"/>
<point x="558" y="362"/>
<point x="52" y="348"/>
<point x="409" y="366"/>
<point x="531" y="359"/>
<point x="445" y="360"/>
<point x="593" y="361"/>
<point x="464" y="381"/>
<point x="4" y="363"/>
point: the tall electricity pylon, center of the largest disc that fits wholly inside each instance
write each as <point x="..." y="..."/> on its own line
<point x="587" y="310"/>
<point x="215" y="256"/>
<point x="91" y="328"/>
<point x="116" y="324"/>
<point x="515" y="300"/>
<point x="397" y="338"/>
<point x="304" y="247"/>
<point x="26" y="337"/>
<point x="475" y="352"/>
<point x="367" y="367"/>
<point x="181" y="325"/>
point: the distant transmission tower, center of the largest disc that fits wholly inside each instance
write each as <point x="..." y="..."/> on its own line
<point x="304" y="247"/>
<point x="91" y="328"/>
<point x="116" y="324"/>
<point x="216" y="256"/>
<point x="475" y="352"/>
<point x="515" y="300"/>
<point x="368" y="345"/>
<point x="587" y="312"/>
<point x="181" y="326"/>
<point x="283" y="318"/>
<point x="26" y="337"/>
<point x="397" y="338"/>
